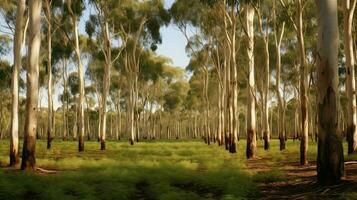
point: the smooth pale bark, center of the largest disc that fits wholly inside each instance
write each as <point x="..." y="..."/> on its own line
<point x="29" y="147"/>
<point x="278" y="36"/>
<point x="251" y="134"/>
<point x="117" y="105"/>
<point x="349" y="8"/>
<point x="49" y="74"/>
<point x="80" y="107"/>
<point x="330" y="161"/>
<point x="106" y="83"/>
<point x="14" y="129"/>
<point x="206" y="103"/>
<point x="265" y="113"/>
<point x="65" y="103"/>
<point x="234" y="87"/>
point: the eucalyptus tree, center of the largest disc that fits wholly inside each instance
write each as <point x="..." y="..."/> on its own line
<point x="263" y="11"/>
<point x="297" y="24"/>
<point x="140" y="23"/>
<point x="28" y="153"/>
<point x="99" y="26"/>
<point x="10" y="10"/>
<point x="251" y="131"/>
<point x="61" y="56"/>
<point x="19" y="40"/>
<point x="50" y="9"/>
<point x="348" y="14"/>
<point x="74" y="9"/>
<point x="330" y="160"/>
<point x="174" y="100"/>
<point x="152" y="68"/>
<point x="116" y="94"/>
<point x="279" y="28"/>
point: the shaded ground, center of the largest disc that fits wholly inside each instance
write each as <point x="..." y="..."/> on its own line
<point x="292" y="181"/>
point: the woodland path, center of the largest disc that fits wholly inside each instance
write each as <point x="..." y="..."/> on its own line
<point x="300" y="181"/>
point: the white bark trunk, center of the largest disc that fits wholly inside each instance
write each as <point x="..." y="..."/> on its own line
<point x="28" y="154"/>
<point x="14" y="130"/>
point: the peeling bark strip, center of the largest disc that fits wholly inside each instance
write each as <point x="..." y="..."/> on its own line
<point x="28" y="155"/>
<point x="330" y="163"/>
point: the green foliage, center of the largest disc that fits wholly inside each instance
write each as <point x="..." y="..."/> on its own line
<point x="4" y="44"/>
<point x="176" y="95"/>
<point x="5" y="75"/>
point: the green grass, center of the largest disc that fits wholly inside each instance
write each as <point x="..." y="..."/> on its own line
<point x="158" y="170"/>
<point x="155" y="170"/>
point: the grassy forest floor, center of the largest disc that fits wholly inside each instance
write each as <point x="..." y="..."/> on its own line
<point x="169" y="170"/>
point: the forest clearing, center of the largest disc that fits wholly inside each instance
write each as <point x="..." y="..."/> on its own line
<point x="178" y="99"/>
<point x="170" y="170"/>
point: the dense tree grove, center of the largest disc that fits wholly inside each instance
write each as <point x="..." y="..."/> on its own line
<point x="259" y="69"/>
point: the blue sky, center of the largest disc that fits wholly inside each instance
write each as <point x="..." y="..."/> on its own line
<point x="173" y="42"/>
<point x="173" y="46"/>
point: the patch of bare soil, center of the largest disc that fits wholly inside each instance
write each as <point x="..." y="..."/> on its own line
<point x="301" y="182"/>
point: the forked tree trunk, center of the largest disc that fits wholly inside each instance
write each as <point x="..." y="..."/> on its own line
<point x="14" y="130"/>
<point x="251" y="134"/>
<point x="330" y="161"/>
<point x="28" y="153"/>
<point x="349" y="8"/>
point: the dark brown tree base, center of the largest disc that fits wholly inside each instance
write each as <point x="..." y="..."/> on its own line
<point x="350" y="142"/>
<point x="28" y="162"/>
<point x="250" y="150"/>
<point x="233" y="147"/>
<point x="131" y="142"/>
<point x="14" y="159"/>
<point x="330" y="160"/>
<point x="282" y="143"/>
<point x="102" y="145"/>
<point x="49" y="142"/>
<point x="266" y="144"/>
<point x="80" y="144"/>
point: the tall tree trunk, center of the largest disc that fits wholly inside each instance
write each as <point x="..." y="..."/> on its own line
<point x="106" y="84"/>
<point x="28" y="153"/>
<point x="80" y="113"/>
<point x="303" y="87"/>
<point x="251" y="134"/>
<point x="80" y="107"/>
<point x="265" y="110"/>
<point x="64" y="104"/>
<point x="49" y="73"/>
<point x="278" y="36"/>
<point x="19" y="35"/>
<point x="330" y="161"/>
<point x="349" y="8"/>
<point x="234" y="86"/>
